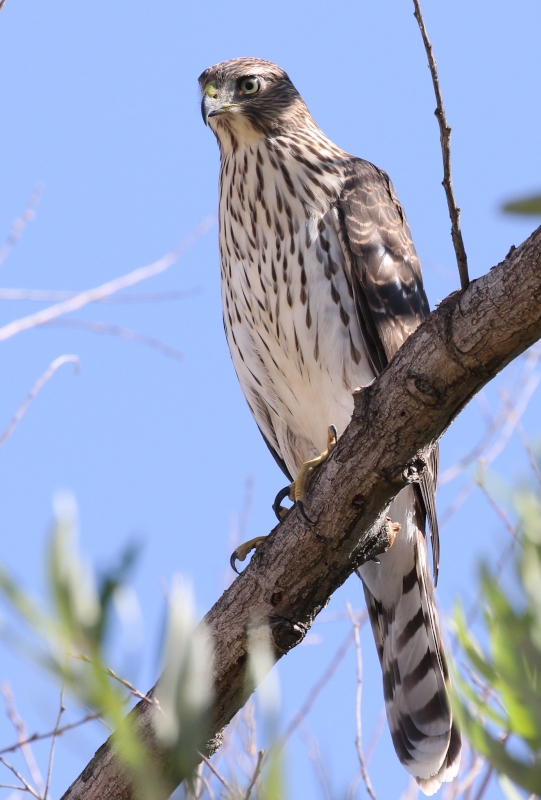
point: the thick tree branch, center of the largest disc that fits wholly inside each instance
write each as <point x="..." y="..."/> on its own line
<point x="459" y="348"/>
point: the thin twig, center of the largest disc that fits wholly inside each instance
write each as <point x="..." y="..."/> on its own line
<point x="317" y="688"/>
<point x="522" y="435"/>
<point x="61" y="710"/>
<point x="49" y="296"/>
<point x="8" y="785"/>
<point x="239" y="522"/>
<point x="522" y="391"/>
<point x="488" y="692"/>
<point x="445" y="139"/>
<point x="257" y="773"/>
<point x="39" y="384"/>
<point x="412" y="790"/>
<point x="215" y="771"/>
<point x="378" y="728"/>
<point x="318" y="764"/>
<point x="112" y="674"/>
<point x="106" y="289"/>
<point x="27" y="216"/>
<point x="462" y="786"/>
<point x="498" y="510"/>
<point x="339" y="616"/>
<point x="122" y="333"/>
<point x="22" y="735"/>
<point x="506" y="420"/>
<point x="207" y="786"/>
<point x="358" y="699"/>
<point x="485" y="782"/>
<point x="20" y="777"/>
<point x="35" y="737"/>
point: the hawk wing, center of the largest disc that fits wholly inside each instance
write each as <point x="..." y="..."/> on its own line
<point x="387" y="284"/>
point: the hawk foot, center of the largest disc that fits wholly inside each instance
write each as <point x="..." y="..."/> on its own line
<point x="297" y="490"/>
<point x="242" y="551"/>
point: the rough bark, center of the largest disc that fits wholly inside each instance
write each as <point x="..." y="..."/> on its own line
<point x="464" y="343"/>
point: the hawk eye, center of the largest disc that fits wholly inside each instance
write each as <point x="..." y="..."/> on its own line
<point x="249" y="86"/>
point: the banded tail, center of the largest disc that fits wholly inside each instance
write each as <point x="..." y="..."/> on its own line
<point x="404" y="620"/>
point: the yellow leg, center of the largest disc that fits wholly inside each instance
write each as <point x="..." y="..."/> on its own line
<point x="297" y="490"/>
<point x="296" y="493"/>
<point x="243" y="549"/>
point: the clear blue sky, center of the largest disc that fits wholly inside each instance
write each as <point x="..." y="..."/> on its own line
<point x="99" y="102"/>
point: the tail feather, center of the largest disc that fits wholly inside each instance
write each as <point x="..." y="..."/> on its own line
<point x="404" y="621"/>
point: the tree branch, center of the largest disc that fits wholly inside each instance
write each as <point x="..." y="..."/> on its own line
<point x="445" y="140"/>
<point x="457" y="350"/>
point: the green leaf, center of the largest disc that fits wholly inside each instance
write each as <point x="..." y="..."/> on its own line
<point x="526" y="205"/>
<point x="184" y="691"/>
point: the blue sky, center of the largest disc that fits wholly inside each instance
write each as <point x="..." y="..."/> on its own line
<point x="99" y="103"/>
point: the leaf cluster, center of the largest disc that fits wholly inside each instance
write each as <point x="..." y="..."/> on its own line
<point x="499" y="706"/>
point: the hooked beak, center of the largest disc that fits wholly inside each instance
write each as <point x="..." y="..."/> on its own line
<point x="211" y="107"/>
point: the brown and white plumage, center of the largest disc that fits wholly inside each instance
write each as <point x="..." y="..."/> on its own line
<point x="321" y="285"/>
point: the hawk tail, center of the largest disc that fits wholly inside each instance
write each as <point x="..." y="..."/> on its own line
<point x="415" y="676"/>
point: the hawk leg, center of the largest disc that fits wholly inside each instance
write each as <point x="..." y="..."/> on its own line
<point x="297" y="490"/>
<point x="242" y="551"/>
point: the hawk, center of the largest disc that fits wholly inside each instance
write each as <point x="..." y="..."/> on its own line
<point x="321" y="285"/>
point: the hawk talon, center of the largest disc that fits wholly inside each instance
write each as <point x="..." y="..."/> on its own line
<point x="300" y="506"/>
<point x="243" y="549"/>
<point x="298" y="487"/>
<point x="279" y="509"/>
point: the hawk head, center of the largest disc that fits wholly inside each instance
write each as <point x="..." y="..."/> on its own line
<point x="249" y="96"/>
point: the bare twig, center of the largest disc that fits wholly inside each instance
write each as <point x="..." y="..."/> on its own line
<point x="207" y="786"/>
<point x="61" y="710"/>
<point x="27" y="216"/>
<point x="122" y="333"/>
<point x="376" y="733"/>
<point x="505" y="420"/>
<point x="316" y="689"/>
<point x="35" y="737"/>
<point x="9" y="785"/>
<point x="22" y="736"/>
<point x="257" y="773"/>
<point x="39" y="384"/>
<point x="463" y="784"/>
<point x="318" y="763"/>
<point x="215" y="772"/>
<point x="23" y="780"/>
<point x="48" y="296"/>
<point x="112" y="674"/>
<point x="358" y="699"/>
<point x="522" y="435"/>
<point x="498" y="509"/>
<point x="445" y="139"/>
<point x="487" y="692"/>
<point x="412" y="791"/>
<point x="106" y="289"/>
<point x="485" y="782"/>
<point x="239" y="522"/>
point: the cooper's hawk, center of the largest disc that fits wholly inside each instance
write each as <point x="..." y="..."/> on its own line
<point x="321" y="285"/>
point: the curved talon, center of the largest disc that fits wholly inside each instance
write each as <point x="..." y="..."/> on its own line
<point x="276" y="507"/>
<point x="375" y="559"/>
<point x="232" y="562"/>
<point x="300" y="506"/>
<point x="243" y="549"/>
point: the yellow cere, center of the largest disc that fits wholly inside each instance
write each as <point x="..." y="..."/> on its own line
<point x="210" y="89"/>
